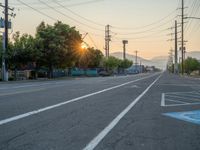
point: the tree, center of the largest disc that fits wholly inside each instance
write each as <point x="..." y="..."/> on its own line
<point x="90" y="58"/>
<point x="191" y="64"/>
<point x="24" y="50"/>
<point x="111" y="62"/>
<point x="59" y="45"/>
<point x="125" y="64"/>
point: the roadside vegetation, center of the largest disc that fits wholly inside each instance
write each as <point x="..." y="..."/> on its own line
<point x="57" y="46"/>
<point x="191" y="66"/>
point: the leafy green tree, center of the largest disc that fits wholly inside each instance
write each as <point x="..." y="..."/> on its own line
<point x="111" y="62"/>
<point x="59" y="45"/>
<point x="24" y="50"/>
<point x="90" y="58"/>
<point x="191" y="64"/>
<point x="96" y="57"/>
<point x="125" y="64"/>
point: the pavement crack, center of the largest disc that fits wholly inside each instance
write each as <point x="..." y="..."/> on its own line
<point x="7" y="142"/>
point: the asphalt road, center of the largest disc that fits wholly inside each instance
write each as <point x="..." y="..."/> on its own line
<point x="103" y="113"/>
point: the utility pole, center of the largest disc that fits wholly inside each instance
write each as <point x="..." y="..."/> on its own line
<point x="182" y="37"/>
<point x="124" y="48"/>
<point x="5" y="44"/>
<point x="141" y="67"/>
<point x="6" y="24"/>
<point x="136" y="52"/>
<point x="176" y="51"/>
<point x="107" y="40"/>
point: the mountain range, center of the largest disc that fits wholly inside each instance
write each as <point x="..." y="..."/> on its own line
<point x="158" y="61"/>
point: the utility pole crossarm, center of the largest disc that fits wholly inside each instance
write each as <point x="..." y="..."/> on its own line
<point x="191" y="18"/>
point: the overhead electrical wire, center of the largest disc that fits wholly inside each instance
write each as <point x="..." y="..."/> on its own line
<point x="151" y="24"/>
<point x="91" y="27"/>
<point x="91" y="39"/>
<point x="76" y="14"/>
<point x="192" y="24"/>
<point x="68" y="5"/>
<point x="44" y="14"/>
<point x="154" y="25"/>
<point x="37" y="10"/>
<point x="145" y="31"/>
<point x="34" y="3"/>
<point x="193" y="9"/>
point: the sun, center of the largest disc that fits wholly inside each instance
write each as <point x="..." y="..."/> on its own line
<point x="84" y="46"/>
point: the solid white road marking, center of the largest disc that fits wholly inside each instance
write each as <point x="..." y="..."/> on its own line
<point x="192" y="95"/>
<point x="135" y="86"/>
<point x="173" y="105"/>
<point x="113" y="123"/>
<point x="176" y="101"/>
<point x="163" y="99"/>
<point x="186" y="98"/>
<point x="11" y="119"/>
<point x="20" y="92"/>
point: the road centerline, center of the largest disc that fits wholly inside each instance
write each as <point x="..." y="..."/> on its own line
<point x="24" y="115"/>
<point x="96" y="140"/>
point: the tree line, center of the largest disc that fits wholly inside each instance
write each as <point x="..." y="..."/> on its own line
<point x="56" y="46"/>
<point x="190" y="64"/>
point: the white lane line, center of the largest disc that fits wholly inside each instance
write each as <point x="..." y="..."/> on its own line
<point x="187" y="95"/>
<point x="29" y="85"/>
<point x="113" y="123"/>
<point x="173" y="105"/>
<point x="180" y="97"/>
<point x="11" y="119"/>
<point x="163" y="100"/>
<point x="178" y="92"/>
<point x="176" y="101"/>
<point x="20" y="92"/>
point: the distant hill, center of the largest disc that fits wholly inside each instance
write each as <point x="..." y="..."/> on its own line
<point x="159" y="61"/>
<point x="128" y="56"/>
<point x="194" y="54"/>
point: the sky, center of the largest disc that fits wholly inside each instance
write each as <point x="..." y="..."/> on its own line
<point x="144" y="23"/>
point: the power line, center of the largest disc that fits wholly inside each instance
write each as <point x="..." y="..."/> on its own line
<point x="34" y="3"/>
<point x="69" y="16"/>
<point x="54" y="18"/>
<point x="193" y="10"/>
<point x="145" y="36"/>
<point x="139" y="27"/>
<point x="92" y="41"/>
<point x="145" y="31"/>
<point x="69" y="5"/>
<point x="76" y="14"/>
<point x="40" y="12"/>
